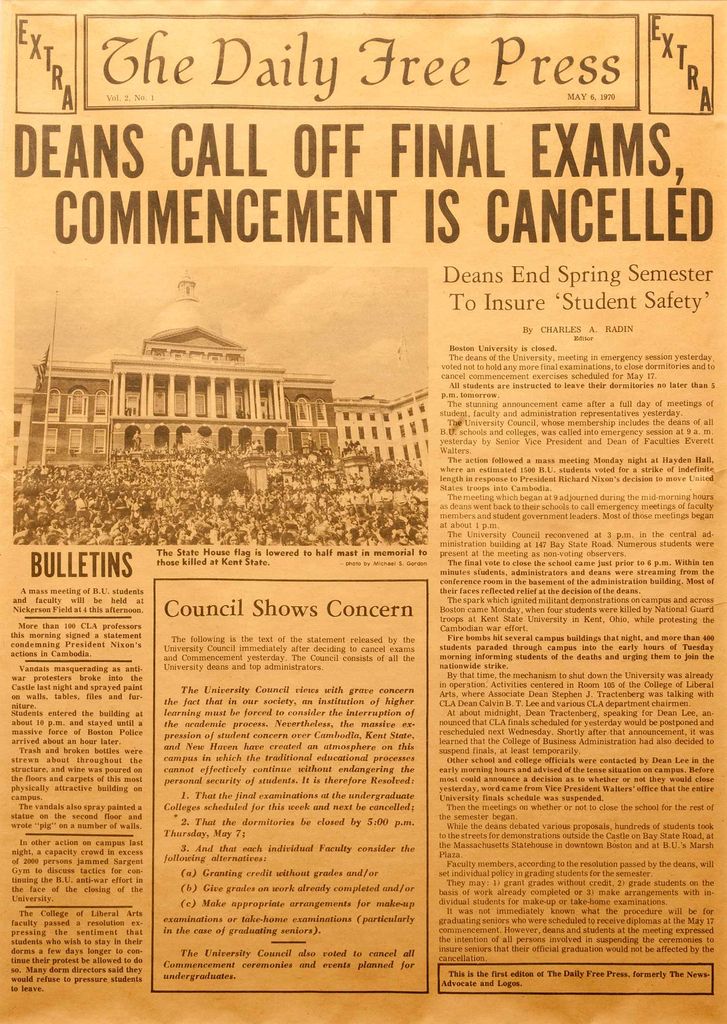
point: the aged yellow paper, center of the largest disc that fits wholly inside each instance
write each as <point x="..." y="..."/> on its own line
<point x="362" y="517"/>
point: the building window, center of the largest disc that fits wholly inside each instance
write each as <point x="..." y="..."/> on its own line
<point x="54" y="404"/>
<point x="413" y="427"/>
<point x="101" y="405"/>
<point x="400" y="415"/>
<point x="321" y="411"/>
<point x="360" y="433"/>
<point x="180" y="403"/>
<point x="220" y="403"/>
<point x="372" y="416"/>
<point x="402" y="430"/>
<point x="416" y="451"/>
<point x="99" y="441"/>
<point x="75" y="438"/>
<point x="374" y="433"/>
<point x="77" y="404"/>
<point x="348" y="433"/>
<point x="323" y="438"/>
<point x="422" y="408"/>
<point x="345" y="416"/>
<point x="18" y="407"/>
<point x="386" y="417"/>
<point x="388" y="433"/>
<point x="377" y="453"/>
<point x="410" y="411"/>
<point x="391" y="454"/>
<point x="200" y="403"/>
<point x="425" y="428"/>
<point x="359" y="415"/>
<point x="131" y="404"/>
<point x="406" y="452"/>
<point x="51" y="441"/>
<point x="302" y="408"/>
<point x="160" y="402"/>
<point x="16" y="428"/>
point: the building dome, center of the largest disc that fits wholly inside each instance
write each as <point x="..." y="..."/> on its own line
<point x="185" y="312"/>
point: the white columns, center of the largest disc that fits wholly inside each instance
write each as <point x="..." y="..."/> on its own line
<point x="170" y="396"/>
<point x="192" y="396"/>
<point x="256" y="411"/>
<point x="211" y="409"/>
<point x="219" y="415"/>
<point x="274" y="395"/>
<point x="150" y="394"/>
<point x="122" y="394"/>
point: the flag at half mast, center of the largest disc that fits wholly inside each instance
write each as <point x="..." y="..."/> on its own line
<point x="41" y="369"/>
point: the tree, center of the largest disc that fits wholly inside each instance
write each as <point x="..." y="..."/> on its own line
<point x="225" y="477"/>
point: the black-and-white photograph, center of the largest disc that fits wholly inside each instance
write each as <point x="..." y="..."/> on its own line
<point x="265" y="406"/>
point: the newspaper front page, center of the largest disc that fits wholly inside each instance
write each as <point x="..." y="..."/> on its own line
<point x="362" y="510"/>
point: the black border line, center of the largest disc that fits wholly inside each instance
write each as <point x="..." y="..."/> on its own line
<point x="277" y="579"/>
<point x="636" y="18"/>
<point x="153" y="772"/>
<point x="426" y="781"/>
<point x="569" y="963"/>
<point x="50" y="113"/>
<point x="679" y="14"/>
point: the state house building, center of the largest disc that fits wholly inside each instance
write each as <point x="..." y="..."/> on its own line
<point x="191" y="385"/>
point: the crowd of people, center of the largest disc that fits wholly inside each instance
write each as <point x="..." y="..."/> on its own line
<point x="163" y="498"/>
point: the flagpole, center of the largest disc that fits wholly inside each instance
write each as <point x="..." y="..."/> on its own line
<point x="47" y="389"/>
<point x="415" y="412"/>
<point x="404" y="349"/>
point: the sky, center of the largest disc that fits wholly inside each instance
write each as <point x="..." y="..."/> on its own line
<point x="337" y="322"/>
